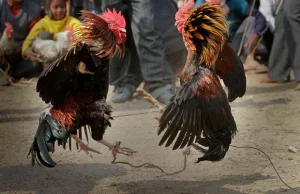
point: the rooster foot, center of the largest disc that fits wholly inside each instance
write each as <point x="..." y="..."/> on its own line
<point x="122" y="150"/>
<point x="84" y="147"/>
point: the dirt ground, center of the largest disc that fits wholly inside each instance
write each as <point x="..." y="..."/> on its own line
<point x="267" y="118"/>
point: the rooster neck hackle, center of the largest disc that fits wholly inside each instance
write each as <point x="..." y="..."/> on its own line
<point x="205" y="32"/>
<point x="95" y="33"/>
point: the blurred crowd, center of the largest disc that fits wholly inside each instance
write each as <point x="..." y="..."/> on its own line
<point x="264" y="33"/>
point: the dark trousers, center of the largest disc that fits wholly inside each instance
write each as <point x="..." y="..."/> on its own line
<point x="20" y="67"/>
<point x="157" y="45"/>
<point x="285" y="53"/>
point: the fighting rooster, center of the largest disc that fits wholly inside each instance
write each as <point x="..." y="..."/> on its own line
<point x="199" y="113"/>
<point x="76" y="85"/>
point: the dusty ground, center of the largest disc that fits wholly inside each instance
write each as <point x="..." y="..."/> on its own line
<point x="267" y="118"/>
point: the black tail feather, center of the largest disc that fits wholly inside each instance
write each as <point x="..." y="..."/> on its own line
<point x="44" y="141"/>
<point x="39" y="145"/>
<point x="218" y="144"/>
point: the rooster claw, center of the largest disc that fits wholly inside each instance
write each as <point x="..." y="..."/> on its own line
<point x="122" y="150"/>
<point x="87" y="149"/>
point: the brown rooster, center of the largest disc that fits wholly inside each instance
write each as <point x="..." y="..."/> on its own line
<point x="76" y="85"/>
<point x="199" y="113"/>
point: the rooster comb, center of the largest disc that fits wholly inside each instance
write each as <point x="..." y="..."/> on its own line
<point x="186" y="6"/>
<point x="115" y="16"/>
<point x="7" y="25"/>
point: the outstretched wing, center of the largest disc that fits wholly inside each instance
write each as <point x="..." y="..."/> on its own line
<point x="63" y="76"/>
<point x="198" y="112"/>
<point x="230" y="68"/>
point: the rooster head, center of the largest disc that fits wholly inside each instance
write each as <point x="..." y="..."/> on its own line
<point x="182" y="13"/>
<point x="8" y="29"/>
<point x="70" y="33"/>
<point x="116" y="23"/>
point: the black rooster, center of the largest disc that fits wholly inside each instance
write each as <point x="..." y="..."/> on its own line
<point x="76" y="85"/>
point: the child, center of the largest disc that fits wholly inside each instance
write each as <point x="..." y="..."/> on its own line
<point x="22" y="15"/>
<point x="55" y="21"/>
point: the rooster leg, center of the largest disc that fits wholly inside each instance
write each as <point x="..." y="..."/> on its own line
<point x="83" y="146"/>
<point x="116" y="148"/>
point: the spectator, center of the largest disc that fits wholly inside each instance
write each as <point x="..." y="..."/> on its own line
<point x="151" y="52"/>
<point x="285" y="53"/>
<point x="267" y="8"/>
<point x="22" y="15"/>
<point x="55" y="21"/>
<point x="78" y="5"/>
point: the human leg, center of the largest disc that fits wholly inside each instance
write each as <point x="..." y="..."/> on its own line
<point x="292" y="32"/>
<point x="156" y="70"/>
<point x="279" y="67"/>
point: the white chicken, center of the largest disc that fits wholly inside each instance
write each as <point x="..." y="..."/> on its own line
<point x="8" y="45"/>
<point x="49" y="50"/>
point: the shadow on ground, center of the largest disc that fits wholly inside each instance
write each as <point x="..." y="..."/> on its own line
<point x="65" y="178"/>
<point x="271" y="89"/>
<point x="261" y="104"/>
<point x="191" y="187"/>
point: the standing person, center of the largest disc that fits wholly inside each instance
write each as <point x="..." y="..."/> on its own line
<point x="77" y="5"/>
<point x="156" y="41"/>
<point x="285" y="54"/>
<point x="22" y="15"/>
<point x="267" y="8"/>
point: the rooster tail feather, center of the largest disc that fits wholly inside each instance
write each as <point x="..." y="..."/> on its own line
<point x="218" y="143"/>
<point x="47" y="133"/>
<point x="39" y="146"/>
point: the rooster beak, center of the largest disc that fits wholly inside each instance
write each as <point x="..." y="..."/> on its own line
<point x="123" y="30"/>
<point x="176" y="22"/>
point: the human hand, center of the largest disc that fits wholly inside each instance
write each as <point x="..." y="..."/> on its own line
<point x="251" y="43"/>
<point x="31" y="55"/>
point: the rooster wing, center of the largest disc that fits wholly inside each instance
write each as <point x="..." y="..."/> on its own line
<point x="199" y="112"/>
<point x="70" y="74"/>
<point x="231" y="70"/>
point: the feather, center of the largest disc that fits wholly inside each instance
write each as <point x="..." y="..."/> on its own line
<point x="205" y="31"/>
<point x="230" y="68"/>
<point x="204" y="115"/>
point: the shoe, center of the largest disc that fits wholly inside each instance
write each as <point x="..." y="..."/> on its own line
<point x="164" y="98"/>
<point x="298" y="87"/>
<point x="123" y="94"/>
<point x="261" y="69"/>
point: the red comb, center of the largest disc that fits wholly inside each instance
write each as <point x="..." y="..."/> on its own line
<point x="114" y="16"/>
<point x="69" y="29"/>
<point x="187" y="5"/>
<point x="7" y="25"/>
